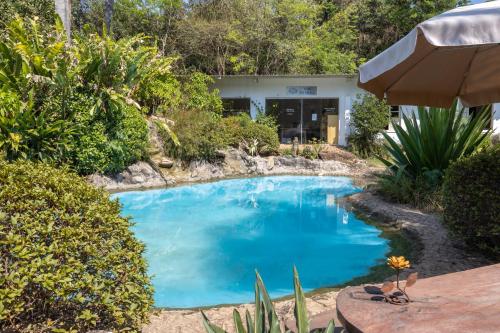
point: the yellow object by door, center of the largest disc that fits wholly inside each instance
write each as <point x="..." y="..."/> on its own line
<point x="332" y="134"/>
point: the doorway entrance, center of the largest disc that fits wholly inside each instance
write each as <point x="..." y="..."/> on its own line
<point x="306" y="119"/>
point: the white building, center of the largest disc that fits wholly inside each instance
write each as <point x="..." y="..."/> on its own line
<point x="306" y="106"/>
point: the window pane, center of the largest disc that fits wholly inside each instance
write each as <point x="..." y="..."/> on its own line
<point x="287" y="112"/>
<point x="235" y="106"/>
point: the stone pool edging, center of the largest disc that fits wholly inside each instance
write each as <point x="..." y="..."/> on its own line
<point x="233" y="163"/>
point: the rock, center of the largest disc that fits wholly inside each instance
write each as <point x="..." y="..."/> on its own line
<point x="235" y="163"/>
<point x="270" y="163"/>
<point x="137" y="179"/>
<point x="138" y="175"/>
<point x="166" y="163"/>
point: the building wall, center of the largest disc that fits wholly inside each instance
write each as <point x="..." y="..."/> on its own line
<point x="260" y="88"/>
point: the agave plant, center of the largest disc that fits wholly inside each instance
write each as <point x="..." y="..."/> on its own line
<point x="265" y="319"/>
<point x="439" y="137"/>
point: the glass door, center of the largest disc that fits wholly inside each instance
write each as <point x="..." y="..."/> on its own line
<point x="288" y="115"/>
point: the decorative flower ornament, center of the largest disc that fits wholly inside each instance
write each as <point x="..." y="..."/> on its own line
<point x="398" y="263"/>
<point x="400" y="296"/>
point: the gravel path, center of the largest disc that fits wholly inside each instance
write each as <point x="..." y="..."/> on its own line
<point x="440" y="254"/>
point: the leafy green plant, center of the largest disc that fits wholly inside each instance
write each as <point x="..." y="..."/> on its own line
<point x="240" y="130"/>
<point x="99" y="149"/>
<point x="26" y="133"/>
<point x="471" y="200"/>
<point x="198" y="96"/>
<point x="198" y="135"/>
<point x="265" y="319"/>
<point x="267" y="120"/>
<point x="317" y="146"/>
<point x="286" y="152"/>
<point x="416" y="192"/>
<point x="308" y="152"/>
<point x="429" y="144"/>
<point x="369" y="119"/>
<point x="69" y="260"/>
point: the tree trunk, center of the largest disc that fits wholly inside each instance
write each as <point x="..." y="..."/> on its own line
<point x="63" y="9"/>
<point x="108" y="13"/>
<point x="83" y="9"/>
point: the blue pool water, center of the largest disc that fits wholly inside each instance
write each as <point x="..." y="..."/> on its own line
<point x="204" y="242"/>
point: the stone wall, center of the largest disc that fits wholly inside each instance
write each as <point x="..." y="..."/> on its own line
<point x="231" y="163"/>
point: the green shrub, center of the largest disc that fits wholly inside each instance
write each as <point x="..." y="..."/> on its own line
<point x="471" y="197"/>
<point x="418" y="193"/>
<point x="307" y="152"/>
<point x="241" y="130"/>
<point x="267" y="120"/>
<point x="108" y="150"/>
<point x="369" y="119"/>
<point x="69" y="261"/>
<point x="78" y="104"/>
<point x="199" y="134"/>
<point x="265" y="319"/>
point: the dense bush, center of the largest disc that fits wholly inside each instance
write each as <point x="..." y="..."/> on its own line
<point x="243" y="131"/>
<point x="69" y="261"/>
<point x="199" y="134"/>
<point x="369" y="118"/>
<point x="98" y="149"/>
<point x="471" y="197"/>
<point x="416" y="192"/>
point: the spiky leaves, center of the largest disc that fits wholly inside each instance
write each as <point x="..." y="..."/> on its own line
<point x="265" y="318"/>
<point x="428" y="144"/>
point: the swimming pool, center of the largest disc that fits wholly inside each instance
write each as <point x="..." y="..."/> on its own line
<point x="205" y="241"/>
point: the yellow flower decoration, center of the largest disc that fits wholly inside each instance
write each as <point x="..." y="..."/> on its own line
<point x="398" y="263"/>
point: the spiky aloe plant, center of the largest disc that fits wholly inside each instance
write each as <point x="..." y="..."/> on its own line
<point x="265" y="319"/>
<point x="439" y="137"/>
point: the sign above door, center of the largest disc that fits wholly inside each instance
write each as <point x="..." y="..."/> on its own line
<point x="302" y="90"/>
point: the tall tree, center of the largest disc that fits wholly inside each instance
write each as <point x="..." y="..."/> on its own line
<point x="108" y="13"/>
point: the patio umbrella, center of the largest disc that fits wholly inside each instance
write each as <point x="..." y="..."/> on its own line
<point x="455" y="54"/>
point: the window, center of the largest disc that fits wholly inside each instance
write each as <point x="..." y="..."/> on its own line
<point x="476" y="111"/>
<point x="394" y="117"/>
<point x="235" y="106"/>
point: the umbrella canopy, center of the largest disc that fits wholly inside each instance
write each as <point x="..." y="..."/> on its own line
<point x="455" y="54"/>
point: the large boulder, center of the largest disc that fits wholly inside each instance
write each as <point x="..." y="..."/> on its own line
<point x="138" y="175"/>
